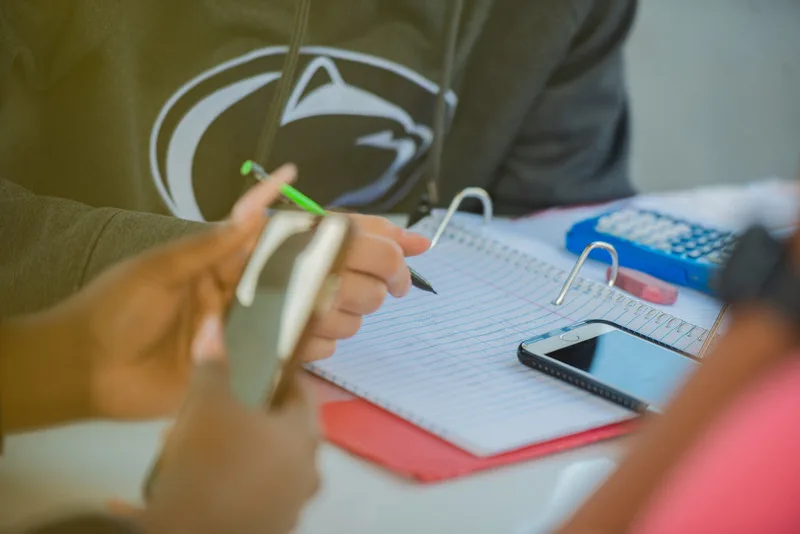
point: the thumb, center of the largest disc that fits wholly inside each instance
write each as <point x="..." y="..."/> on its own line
<point x="176" y="262"/>
<point x="210" y="376"/>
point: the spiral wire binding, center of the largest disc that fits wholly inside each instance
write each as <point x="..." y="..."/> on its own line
<point x="455" y="231"/>
<point x="576" y="269"/>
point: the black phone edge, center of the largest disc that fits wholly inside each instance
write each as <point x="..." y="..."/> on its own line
<point x="543" y="365"/>
<point x="587" y="384"/>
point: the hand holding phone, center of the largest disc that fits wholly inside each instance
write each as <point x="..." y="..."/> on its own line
<point x="289" y="281"/>
<point x="228" y="467"/>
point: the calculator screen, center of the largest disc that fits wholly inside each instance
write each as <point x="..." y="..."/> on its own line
<point x="632" y="365"/>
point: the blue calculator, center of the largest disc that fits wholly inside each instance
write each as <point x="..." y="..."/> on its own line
<point x="671" y="249"/>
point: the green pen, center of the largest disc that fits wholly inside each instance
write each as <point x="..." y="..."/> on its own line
<point x="306" y="204"/>
<point x="292" y="194"/>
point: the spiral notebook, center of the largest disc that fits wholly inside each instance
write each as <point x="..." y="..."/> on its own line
<point x="447" y="363"/>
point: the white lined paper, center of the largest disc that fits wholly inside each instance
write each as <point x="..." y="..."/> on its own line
<point x="448" y="363"/>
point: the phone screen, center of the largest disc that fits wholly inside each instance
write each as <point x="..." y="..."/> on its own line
<point x="631" y="365"/>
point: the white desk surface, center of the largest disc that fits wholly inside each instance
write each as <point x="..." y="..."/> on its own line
<point x="85" y="465"/>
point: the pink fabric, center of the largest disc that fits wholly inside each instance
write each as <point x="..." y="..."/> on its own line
<point x="744" y="477"/>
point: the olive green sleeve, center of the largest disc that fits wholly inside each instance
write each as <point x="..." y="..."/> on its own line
<point x="51" y="247"/>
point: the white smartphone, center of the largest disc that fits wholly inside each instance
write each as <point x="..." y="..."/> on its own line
<point x="610" y="361"/>
<point x="290" y="280"/>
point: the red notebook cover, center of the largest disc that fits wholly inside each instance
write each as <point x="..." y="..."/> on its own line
<point x="371" y="432"/>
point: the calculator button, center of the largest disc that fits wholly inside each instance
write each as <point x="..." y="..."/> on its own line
<point x="679" y="250"/>
<point x="666" y="238"/>
<point x="683" y="228"/>
<point x="604" y="225"/>
<point x="695" y="254"/>
<point x="629" y="231"/>
<point x="622" y="215"/>
<point x="609" y="227"/>
<point x="617" y="231"/>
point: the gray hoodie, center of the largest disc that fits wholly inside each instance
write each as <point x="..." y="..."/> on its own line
<point x="123" y="123"/>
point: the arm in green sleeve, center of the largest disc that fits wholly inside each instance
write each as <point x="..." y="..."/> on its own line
<point x="51" y="247"/>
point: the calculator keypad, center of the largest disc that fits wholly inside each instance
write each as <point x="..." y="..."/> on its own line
<point x="665" y="234"/>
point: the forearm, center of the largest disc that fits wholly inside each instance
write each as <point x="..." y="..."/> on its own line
<point x="52" y="247"/>
<point x="44" y="381"/>
<point x="757" y="342"/>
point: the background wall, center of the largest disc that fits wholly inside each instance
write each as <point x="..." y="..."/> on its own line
<point x="716" y="91"/>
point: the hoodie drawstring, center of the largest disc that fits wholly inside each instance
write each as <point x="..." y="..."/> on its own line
<point x="433" y="169"/>
<point x="433" y="165"/>
<point x="440" y="123"/>
<point x="281" y="97"/>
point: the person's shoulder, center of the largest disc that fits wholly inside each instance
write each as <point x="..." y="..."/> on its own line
<point x="557" y="21"/>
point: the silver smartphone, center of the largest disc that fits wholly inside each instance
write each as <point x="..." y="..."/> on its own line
<point x="290" y="280"/>
<point x="610" y="361"/>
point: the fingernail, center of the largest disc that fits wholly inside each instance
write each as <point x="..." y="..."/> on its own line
<point x="406" y="279"/>
<point x="408" y="286"/>
<point x="207" y="344"/>
<point x="415" y="235"/>
<point x="256" y="200"/>
<point x="247" y="208"/>
<point x="289" y="170"/>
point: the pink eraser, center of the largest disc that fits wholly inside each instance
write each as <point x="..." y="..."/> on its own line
<point x="644" y="286"/>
